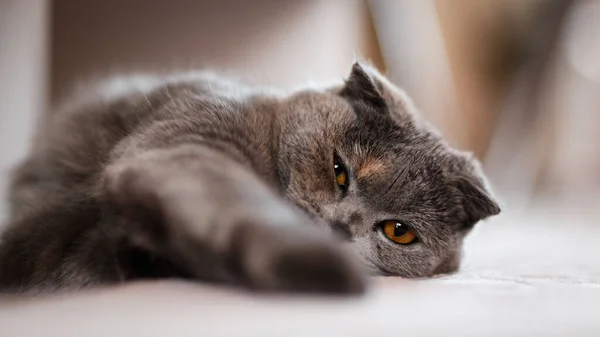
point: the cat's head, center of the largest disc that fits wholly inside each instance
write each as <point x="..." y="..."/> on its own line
<point x="360" y="159"/>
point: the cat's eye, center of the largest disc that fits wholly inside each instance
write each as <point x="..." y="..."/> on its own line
<point x="398" y="232"/>
<point x="341" y="174"/>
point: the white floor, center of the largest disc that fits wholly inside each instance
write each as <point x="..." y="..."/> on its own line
<point x="536" y="277"/>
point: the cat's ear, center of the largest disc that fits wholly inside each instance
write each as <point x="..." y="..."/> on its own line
<point x="362" y="84"/>
<point x="476" y="200"/>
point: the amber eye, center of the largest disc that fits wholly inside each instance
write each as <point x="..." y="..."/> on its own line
<point x="341" y="175"/>
<point x="398" y="232"/>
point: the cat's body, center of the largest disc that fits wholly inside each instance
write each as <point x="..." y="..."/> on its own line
<point x="200" y="178"/>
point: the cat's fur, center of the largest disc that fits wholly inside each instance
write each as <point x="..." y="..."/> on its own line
<point x="201" y="178"/>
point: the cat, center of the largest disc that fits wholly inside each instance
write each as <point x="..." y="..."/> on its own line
<point x="200" y="177"/>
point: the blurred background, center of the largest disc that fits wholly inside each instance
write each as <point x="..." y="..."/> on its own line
<point x="517" y="82"/>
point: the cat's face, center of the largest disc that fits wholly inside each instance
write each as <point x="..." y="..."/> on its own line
<point x="360" y="161"/>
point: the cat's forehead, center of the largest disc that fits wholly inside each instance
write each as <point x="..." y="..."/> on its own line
<point x="409" y="186"/>
<point x="415" y="163"/>
<point x="377" y="136"/>
<point x="393" y="165"/>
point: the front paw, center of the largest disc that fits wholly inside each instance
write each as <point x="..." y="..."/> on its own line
<point x="296" y="258"/>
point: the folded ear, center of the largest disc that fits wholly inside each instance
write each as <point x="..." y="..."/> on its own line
<point x="477" y="203"/>
<point x="362" y="85"/>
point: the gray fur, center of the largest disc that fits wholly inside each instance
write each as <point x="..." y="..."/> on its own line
<point x="201" y="178"/>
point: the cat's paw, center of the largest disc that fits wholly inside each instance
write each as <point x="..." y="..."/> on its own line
<point x="318" y="267"/>
<point x="298" y="259"/>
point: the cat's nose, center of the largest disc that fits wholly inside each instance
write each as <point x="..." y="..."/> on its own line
<point x="341" y="230"/>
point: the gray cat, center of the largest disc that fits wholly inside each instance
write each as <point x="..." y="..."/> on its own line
<point x="200" y="178"/>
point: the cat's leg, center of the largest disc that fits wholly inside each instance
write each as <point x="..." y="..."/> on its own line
<point x="216" y="220"/>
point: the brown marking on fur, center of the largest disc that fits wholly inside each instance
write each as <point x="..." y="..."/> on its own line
<point x="371" y="166"/>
